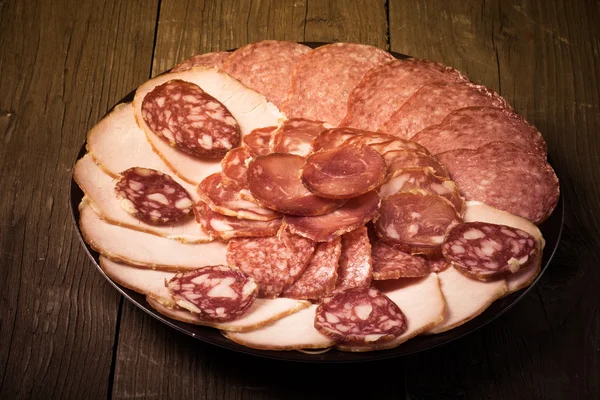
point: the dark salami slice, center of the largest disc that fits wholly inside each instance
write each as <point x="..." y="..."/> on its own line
<point x="191" y="120"/>
<point x="295" y="136"/>
<point x="332" y="138"/>
<point x="216" y="294"/>
<point x="406" y="180"/>
<point x="225" y="227"/>
<point x="275" y="263"/>
<point x="360" y="316"/>
<point x="257" y="141"/>
<point x="323" y="228"/>
<point x="384" y="89"/>
<point x="474" y="127"/>
<point x="234" y="167"/>
<point x="401" y="159"/>
<point x="324" y="77"/>
<point x="505" y="176"/>
<point x="226" y="199"/>
<point x="487" y="251"/>
<point x="152" y="196"/>
<point x="356" y="267"/>
<point x="391" y="263"/>
<point x="433" y="102"/>
<point x="318" y="279"/>
<point x="345" y="172"/>
<point x="266" y="67"/>
<point x="415" y="222"/>
<point x="209" y="60"/>
<point x="274" y="181"/>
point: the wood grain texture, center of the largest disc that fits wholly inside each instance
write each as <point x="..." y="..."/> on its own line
<point x="61" y="68"/>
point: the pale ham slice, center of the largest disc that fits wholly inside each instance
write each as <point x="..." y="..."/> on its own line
<point x="294" y="332"/>
<point x="419" y="299"/>
<point x="261" y="313"/>
<point x="466" y="298"/>
<point x="100" y="189"/>
<point x="143" y="249"/>
<point x="150" y="282"/>
<point x="249" y="108"/>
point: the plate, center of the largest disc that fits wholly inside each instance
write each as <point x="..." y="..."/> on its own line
<point x="551" y="229"/>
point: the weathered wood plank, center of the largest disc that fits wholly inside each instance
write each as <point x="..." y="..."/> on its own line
<point x="61" y="68"/>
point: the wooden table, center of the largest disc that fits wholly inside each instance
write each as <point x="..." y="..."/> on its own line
<point x="66" y="333"/>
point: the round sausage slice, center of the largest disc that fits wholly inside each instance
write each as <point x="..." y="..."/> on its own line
<point x="332" y="138"/>
<point x="391" y="263"/>
<point x="401" y="159"/>
<point x="257" y="141"/>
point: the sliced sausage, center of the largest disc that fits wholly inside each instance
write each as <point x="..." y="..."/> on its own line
<point x="356" y="266"/>
<point x="391" y="263"/>
<point x="257" y="141"/>
<point x="295" y="136"/>
<point x="401" y="159"/>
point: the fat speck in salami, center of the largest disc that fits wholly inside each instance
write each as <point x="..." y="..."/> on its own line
<point x="152" y="196"/>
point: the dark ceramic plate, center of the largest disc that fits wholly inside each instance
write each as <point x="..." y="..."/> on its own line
<point x="551" y="229"/>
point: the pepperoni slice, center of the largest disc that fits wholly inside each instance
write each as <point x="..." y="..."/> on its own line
<point x="345" y="172"/>
<point x="360" y="315"/>
<point x="191" y="120"/>
<point x="152" y="196"/>
<point x="235" y="167"/>
<point x="391" y="263"/>
<point x="401" y="159"/>
<point x="295" y="136"/>
<point x="215" y="293"/>
<point x="415" y="222"/>
<point x="486" y="251"/>
<point x="332" y="138"/>
<point x="257" y="141"/>
<point x="274" y="181"/>
<point x="356" y="265"/>
<point x="210" y="60"/>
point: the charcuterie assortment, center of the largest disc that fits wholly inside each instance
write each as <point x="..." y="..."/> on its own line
<point x="328" y="198"/>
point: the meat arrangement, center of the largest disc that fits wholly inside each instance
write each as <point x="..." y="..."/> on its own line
<point x="314" y="199"/>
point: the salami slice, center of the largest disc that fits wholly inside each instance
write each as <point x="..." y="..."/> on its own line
<point x="274" y="181"/>
<point x="266" y="67"/>
<point x="345" y="172"/>
<point x="401" y="159"/>
<point x="225" y="199"/>
<point x="295" y="136"/>
<point x="433" y="102"/>
<point x="215" y="293"/>
<point x="415" y="222"/>
<point x="324" y="78"/>
<point x="318" y="279"/>
<point x="323" y="228"/>
<point x="191" y="120"/>
<point x="406" y="180"/>
<point x="384" y="89"/>
<point x="504" y="176"/>
<point x="152" y="196"/>
<point x="474" y="127"/>
<point x="356" y="266"/>
<point x="234" y="167"/>
<point x="275" y="263"/>
<point x="257" y="141"/>
<point x="210" y="60"/>
<point x="360" y="316"/>
<point x="391" y="263"/>
<point x="487" y="251"/>
<point x="332" y="138"/>
<point x="225" y="227"/>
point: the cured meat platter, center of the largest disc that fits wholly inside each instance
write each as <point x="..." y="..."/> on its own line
<point x="359" y="205"/>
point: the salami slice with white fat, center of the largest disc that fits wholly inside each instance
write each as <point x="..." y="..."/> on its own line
<point x="356" y="266"/>
<point x="402" y="159"/>
<point x="152" y="196"/>
<point x="323" y="228"/>
<point x="274" y="262"/>
<point x="215" y="293"/>
<point x="274" y="181"/>
<point x="257" y="141"/>
<point x="324" y="78"/>
<point x="295" y="136"/>
<point x="384" y="89"/>
<point x="415" y="222"/>
<point x="332" y="138"/>
<point x="475" y="127"/>
<point x="433" y="102"/>
<point x="319" y="277"/>
<point x="226" y="199"/>
<point x="486" y="251"/>
<point x="266" y="66"/>
<point x="209" y="60"/>
<point x="406" y="180"/>
<point x="360" y="316"/>
<point x="345" y="172"/>
<point x="235" y="167"/>
<point x="391" y="263"/>
<point x="506" y="177"/>
<point x="225" y="227"/>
